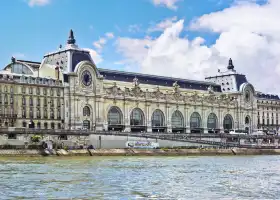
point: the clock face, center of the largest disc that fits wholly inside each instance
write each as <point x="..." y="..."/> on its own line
<point x="86" y="78"/>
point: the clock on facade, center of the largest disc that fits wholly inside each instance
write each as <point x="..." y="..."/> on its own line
<point x="86" y="78"/>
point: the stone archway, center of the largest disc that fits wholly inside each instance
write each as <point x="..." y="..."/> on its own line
<point x="195" y="123"/>
<point x="228" y="123"/>
<point x="115" y="119"/>
<point x="137" y="120"/>
<point x="248" y="124"/>
<point x="177" y="122"/>
<point x="212" y="123"/>
<point x="158" y="122"/>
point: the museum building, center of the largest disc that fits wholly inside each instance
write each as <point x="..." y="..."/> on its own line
<point x="67" y="91"/>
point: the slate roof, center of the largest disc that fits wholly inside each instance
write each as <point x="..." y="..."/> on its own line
<point x="157" y="80"/>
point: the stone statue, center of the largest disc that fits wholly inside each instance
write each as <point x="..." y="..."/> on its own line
<point x="210" y="89"/>
<point x="136" y="82"/>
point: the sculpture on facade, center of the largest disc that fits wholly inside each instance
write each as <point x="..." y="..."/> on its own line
<point x="210" y="89"/>
<point x="136" y="82"/>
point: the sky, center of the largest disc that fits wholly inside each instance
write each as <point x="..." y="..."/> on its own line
<point x="179" y="38"/>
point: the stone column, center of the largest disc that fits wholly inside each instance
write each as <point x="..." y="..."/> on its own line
<point x="148" y="117"/>
<point x="221" y="119"/>
<point x="187" y="119"/>
<point x="168" y="123"/>
<point x="204" y="121"/>
<point x="126" y="117"/>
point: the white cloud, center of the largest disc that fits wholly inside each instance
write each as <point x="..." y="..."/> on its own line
<point x="32" y="3"/>
<point x="18" y="55"/>
<point x="110" y="35"/>
<point x="96" y="57"/>
<point x="161" y="26"/>
<point x="134" y="28"/>
<point x="249" y="33"/>
<point x="171" y="4"/>
<point x="100" y="43"/>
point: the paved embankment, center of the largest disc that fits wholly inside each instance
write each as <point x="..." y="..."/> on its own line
<point x="139" y="152"/>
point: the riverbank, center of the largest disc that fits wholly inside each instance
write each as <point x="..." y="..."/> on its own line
<point x="139" y="152"/>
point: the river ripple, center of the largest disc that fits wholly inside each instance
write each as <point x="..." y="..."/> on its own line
<point x="123" y="178"/>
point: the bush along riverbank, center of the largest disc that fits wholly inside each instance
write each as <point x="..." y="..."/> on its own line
<point x="137" y="152"/>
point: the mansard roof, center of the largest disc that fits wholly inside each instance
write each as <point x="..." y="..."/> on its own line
<point x="267" y="96"/>
<point x="157" y="80"/>
<point x="116" y="75"/>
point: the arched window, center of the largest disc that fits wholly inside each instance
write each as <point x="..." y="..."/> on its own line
<point x="195" y="121"/>
<point x="228" y="122"/>
<point x="212" y="121"/>
<point x="114" y="116"/>
<point x="136" y="117"/>
<point x="23" y="124"/>
<point x="86" y="124"/>
<point x="177" y="119"/>
<point x="247" y="120"/>
<point x="86" y="111"/>
<point x="158" y="118"/>
<point x="18" y="68"/>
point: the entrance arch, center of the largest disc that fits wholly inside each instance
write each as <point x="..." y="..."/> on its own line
<point x="247" y="123"/>
<point x="228" y="123"/>
<point x="115" y="119"/>
<point x="137" y="120"/>
<point x="158" y="122"/>
<point x="195" y="123"/>
<point x="212" y="123"/>
<point x="177" y="122"/>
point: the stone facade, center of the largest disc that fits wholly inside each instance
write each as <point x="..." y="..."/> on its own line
<point x="67" y="91"/>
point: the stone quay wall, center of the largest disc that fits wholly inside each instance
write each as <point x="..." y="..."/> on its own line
<point x="139" y="152"/>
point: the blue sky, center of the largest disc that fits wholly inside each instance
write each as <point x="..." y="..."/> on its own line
<point x="30" y="31"/>
<point x="181" y="38"/>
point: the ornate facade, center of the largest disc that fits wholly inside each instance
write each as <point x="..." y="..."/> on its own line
<point x="67" y="91"/>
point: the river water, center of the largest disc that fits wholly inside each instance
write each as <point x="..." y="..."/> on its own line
<point x="128" y="178"/>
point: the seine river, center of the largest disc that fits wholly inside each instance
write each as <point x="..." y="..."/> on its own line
<point x="125" y="178"/>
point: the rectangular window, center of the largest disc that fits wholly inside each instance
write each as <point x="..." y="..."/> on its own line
<point x="38" y="91"/>
<point x="58" y="91"/>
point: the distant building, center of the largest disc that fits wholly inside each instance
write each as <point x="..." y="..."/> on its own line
<point x="67" y="91"/>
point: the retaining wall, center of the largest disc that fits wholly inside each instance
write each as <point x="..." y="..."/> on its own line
<point x="139" y="152"/>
